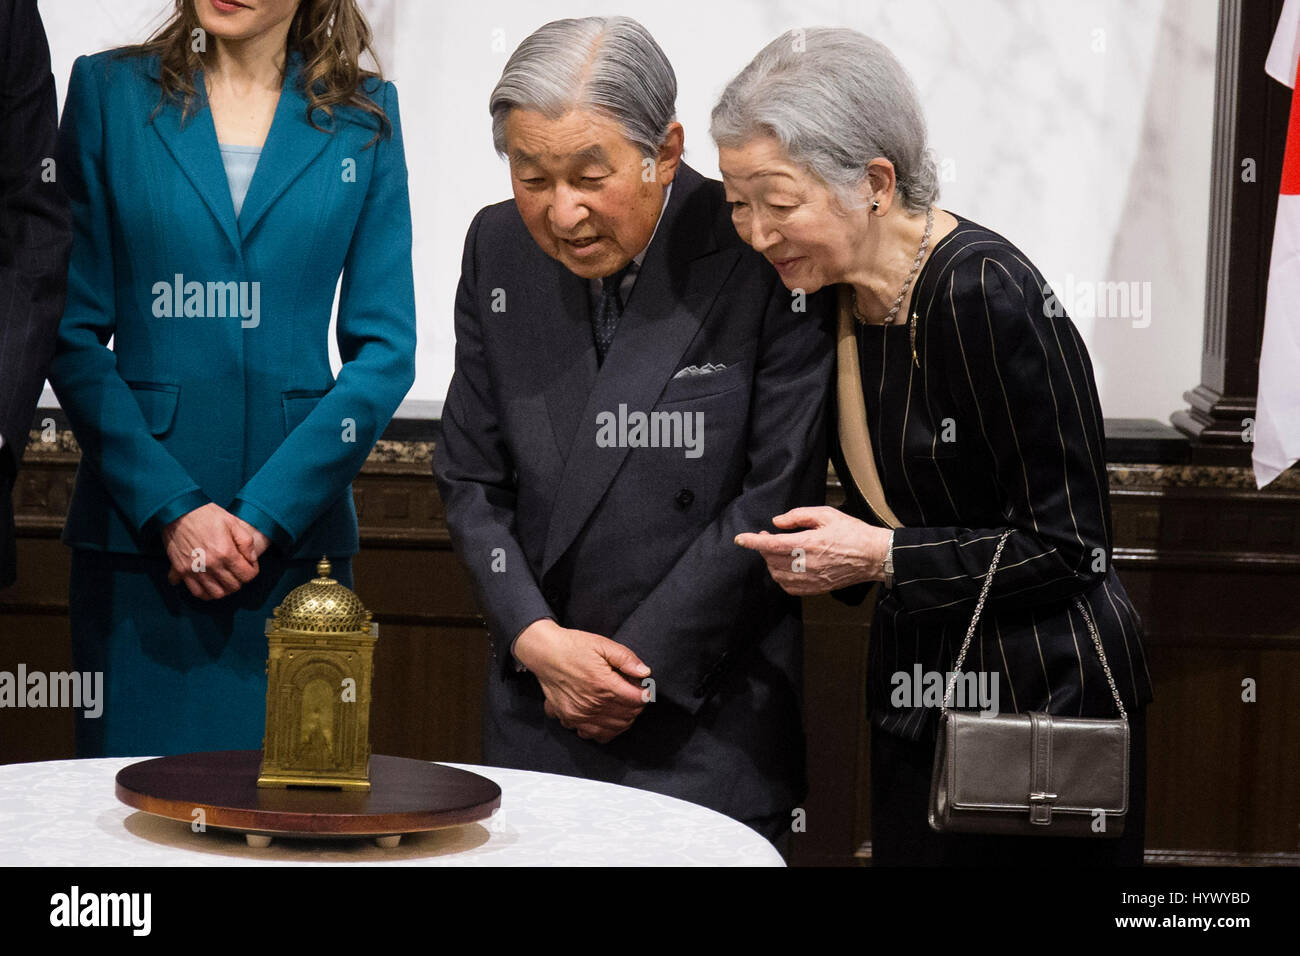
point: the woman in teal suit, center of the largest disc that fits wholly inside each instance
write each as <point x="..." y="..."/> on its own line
<point x="222" y="176"/>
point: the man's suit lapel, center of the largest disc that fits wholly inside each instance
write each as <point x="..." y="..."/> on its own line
<point x="681" y="275"/>
<point x="572" y="353"/>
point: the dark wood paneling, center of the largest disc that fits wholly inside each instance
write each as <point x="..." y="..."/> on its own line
<point x="1210" y="563"/>
<point x="838" y="808"/>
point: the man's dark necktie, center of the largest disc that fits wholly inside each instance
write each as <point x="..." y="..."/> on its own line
<point x="604" y="320"/>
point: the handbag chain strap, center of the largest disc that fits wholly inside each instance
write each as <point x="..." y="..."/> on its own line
<point x="970" y="631"/>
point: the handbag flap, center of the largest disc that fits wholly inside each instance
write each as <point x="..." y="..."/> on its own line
<point x="989" y="763"/>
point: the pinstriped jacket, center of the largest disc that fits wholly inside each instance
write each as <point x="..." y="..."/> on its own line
<point x="992" y="424"/>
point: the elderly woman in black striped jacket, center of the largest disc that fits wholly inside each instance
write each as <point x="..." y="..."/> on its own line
<point x="983" y="417"/>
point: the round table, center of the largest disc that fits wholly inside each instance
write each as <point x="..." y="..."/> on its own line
<point x="63" y="813"/>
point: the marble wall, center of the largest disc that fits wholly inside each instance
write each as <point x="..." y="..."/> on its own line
<point x="1079" y="130"/>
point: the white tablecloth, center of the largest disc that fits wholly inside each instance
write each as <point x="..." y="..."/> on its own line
<point x="64" y="813"/>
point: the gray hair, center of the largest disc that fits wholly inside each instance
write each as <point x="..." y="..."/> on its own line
<point x="834" y="99"/>
<point x="610" y="65"/>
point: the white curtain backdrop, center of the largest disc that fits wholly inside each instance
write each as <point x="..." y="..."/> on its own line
<point x="1081" y="131"/>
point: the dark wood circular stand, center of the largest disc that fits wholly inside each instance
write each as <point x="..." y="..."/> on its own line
<point x="405" y="796"/>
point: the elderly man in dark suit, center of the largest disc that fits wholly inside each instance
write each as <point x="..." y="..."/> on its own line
<point x="35" y="238"/>
<point x="633" y="388"/>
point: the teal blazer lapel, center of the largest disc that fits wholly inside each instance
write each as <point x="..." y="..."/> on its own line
<point x="194" y="147"/>
<point x="291" y="146"/>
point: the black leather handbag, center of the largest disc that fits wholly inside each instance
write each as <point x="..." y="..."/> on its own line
<point x="1031" y="774"/>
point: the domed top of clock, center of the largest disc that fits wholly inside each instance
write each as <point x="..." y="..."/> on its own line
<point x="322" y="606"/>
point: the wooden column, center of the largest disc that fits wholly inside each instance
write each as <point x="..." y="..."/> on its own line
<point x="1250" y="119"/>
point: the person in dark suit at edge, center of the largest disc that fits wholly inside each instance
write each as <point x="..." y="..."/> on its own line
<point x="35" y="242"/>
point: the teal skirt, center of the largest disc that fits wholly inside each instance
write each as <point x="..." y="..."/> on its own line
<point x="180" y="674"/>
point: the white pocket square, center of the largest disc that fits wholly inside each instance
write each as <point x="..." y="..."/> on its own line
<point x="708" y="368"/>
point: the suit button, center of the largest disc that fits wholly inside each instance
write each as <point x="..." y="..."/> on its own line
<point x="685" y="498"/>
<point x="552" y="597"/>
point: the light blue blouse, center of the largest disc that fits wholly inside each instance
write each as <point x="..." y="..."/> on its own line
<point x="240" y="162"/>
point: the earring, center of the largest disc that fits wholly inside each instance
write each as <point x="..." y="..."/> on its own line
<point x="875" y="205"/>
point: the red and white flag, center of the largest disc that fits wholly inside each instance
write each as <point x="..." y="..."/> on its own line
<point x="1277" y="406"/>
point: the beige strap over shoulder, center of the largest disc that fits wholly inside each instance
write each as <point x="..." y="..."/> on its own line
<point x="855" y="437"/>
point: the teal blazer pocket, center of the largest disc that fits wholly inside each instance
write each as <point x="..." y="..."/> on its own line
<point x="336" y="529"/>
<point x="157" y="401"/>
<point x="298" y="404"/>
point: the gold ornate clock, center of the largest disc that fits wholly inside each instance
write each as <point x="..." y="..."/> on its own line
<point x="321" y="660"/>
